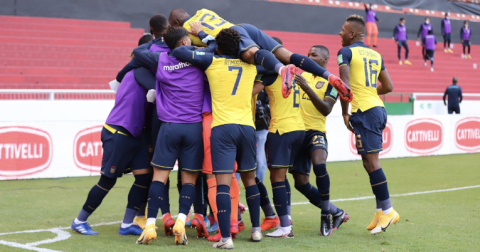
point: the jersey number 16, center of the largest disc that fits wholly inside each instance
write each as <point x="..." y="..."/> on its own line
<point x="372" y="75"/>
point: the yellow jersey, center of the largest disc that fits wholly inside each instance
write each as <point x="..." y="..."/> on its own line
<point x="313" y="119"/>
<point x="231" y="85"/>
<point x="211" y="22"/>
<point x="365" y="66"/>
<point x="285" y="113"/>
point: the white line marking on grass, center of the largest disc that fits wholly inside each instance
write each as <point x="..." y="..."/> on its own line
<point x="63" y="235"/>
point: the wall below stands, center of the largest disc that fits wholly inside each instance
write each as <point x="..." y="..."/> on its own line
<point x="265" y="15"/>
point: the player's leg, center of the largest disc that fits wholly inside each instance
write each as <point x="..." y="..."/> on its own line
<point x="399" y="49"/>
<point x="261" y="136"/>
<point x="271" y="219"/>
<point x="464" y="45"/>
<point x="369" y="32"/>
<point x="375" y="34"/>
<point x="198" y="221"/>
<point x="468" y="44"/>
<point x="289" y="199"/>
<point x="234" y="198"/>
<point x="450" y="110"/>
<point x="431" y="54"/>
<point x="405" y="45"/>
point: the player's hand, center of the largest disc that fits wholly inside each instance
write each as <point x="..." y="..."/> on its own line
<point x="195" y="28"/>
<point x="346" y="120"/>
<point x="418" y="39"/>
<point x="299" y="80"/>
<point x="151" y="95"/>
<point x="462" y="40"/>
<point x="114" y="84"/>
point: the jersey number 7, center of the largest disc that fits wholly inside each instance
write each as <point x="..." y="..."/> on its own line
<point x="370" y="76"/>
<point x="239" y="76"/>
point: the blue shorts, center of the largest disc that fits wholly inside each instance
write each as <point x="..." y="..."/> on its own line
<point x="282" y="149"/>
<point x="368" y="128"/>
<point x="122" y="152"/>
<point x="182" y="141"/>
<point x="251" y="36"/>
<point x="446" y="36"/>
<point x="303" y="161"/>
<point x="230" y="142"/>
<point x="466" y="43"/>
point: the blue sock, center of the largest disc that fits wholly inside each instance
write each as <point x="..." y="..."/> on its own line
<point x="187" y="196"/>
<point x="289" y="196"/>
<point x="323" y="184"/>
<point x="139" y="192"/>
<point x="380" y="188"/>
<point x="253" y="201"/>
<point x="166" y="199"/>
<point x="156" y="200"/>
<point x="264" y="200"/>
<point x="129" y="215"/>
<point x="224" y="209"/>
<point x="96" y="196"/>
<point x="334" y="209"/>
<point x="198" y="203"/>
<point x="267" y="60"/>
<point x="311" y="192"/>
<point x="280" y="202"/>
<point x="309" y="65"/>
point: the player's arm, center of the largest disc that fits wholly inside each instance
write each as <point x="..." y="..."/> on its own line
<point x="134" y="63"/>
<point x="145" y="57"/>
<point x="445" y="96"/>
<point x="395" y="33"/>
<point x="258" y="84"/>
<point x="144" y="78"/>
<point x="323" y="106"/>
<point x="343" y="59"/>
<point x="384" y="78"/>
<point x="460" y="94"/>
<point x="196" y="57"/>
<point x="461" y="35"/>
<point x="263" y="81"/>
<point x="442" y="27"/>
<point x="419" y="31"/>
<point x="196" y="29"/>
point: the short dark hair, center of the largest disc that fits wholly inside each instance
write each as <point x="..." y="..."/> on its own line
<point x="278" y="40"/>
<point x="158" y="24"/>
<point x="401" y="19"/>
<point x="427" y="18"/>
<point x="356" y="19"/>
<point x="455" y="80"/>
<point x="173" y="35"/>
<point x="147" y="37"/>
<point x="464" y="22"/>
<point x="323" y="48"/>
<point x="228" y="41"/>
<point x="430" y="31"/>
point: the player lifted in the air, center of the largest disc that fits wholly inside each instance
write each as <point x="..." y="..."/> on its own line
<point x="361" y="68"/>
<point x="258" y="48"/>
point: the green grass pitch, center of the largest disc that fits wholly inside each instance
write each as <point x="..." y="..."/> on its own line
<point x="435" y="221"/>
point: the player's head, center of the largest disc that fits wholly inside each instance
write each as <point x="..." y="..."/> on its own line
<point x="320" y="55"/>
<point x="176" y="36"/>
<point x="158" y="25"/>
<point x="455" y="80"/>
<point x="352" y="30"/>
<point x="177" y="17"/>
<point x="402" y="21"/>
<point x="369" y="6"/>
<point x="446" y="14"/>
<point x="228" y="42"/>
<point x="427" y="20"/>
<point x="278" y="40"/>
<point x="147" y="37"/>
<point x="430" y="32"/>
<point x="465" y="23"/>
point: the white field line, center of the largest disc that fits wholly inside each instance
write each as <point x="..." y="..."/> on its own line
<point x="63" y="235"/>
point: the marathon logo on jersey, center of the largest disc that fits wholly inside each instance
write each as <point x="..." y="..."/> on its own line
<point x="467" y="134"/>
<point x="387" y="138"/>
<point x="177" y="66"/>
<point x="87" y="149"/>
<point x="423" y="136"/>
<point x="24" y="151"/>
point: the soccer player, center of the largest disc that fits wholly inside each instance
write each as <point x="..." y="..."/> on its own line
<point x="180" y="90"/>
<point x="233" y="132"/>
<point x="430" y="44"/>
<point x="317" y="100"/>
<point x="423" y="31"/>
<point x="454" y="93"/>
<point x="124" y="146"/>
<point x="372" y="28"/>
<point x="400" y="36"/>
<point x="258" y="48"/>
<point x="361" y="68"/>
<point x="446" y="33"/>
<point x="465" y="35"/>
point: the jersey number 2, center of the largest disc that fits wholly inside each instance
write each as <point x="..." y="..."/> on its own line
<point x="239" y="76"/>
<point x="370" y="76"/>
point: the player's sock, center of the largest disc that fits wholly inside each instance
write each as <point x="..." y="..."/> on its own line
<point x="378" y="180"/>
<point x="379" y="205"/>
<point x="309" y="65"/>
<point x="280" y="202"/>
<point x="165" y="207"/>
<point x="186" y="198"/>
<point x="198" y="203"/>
<point x="239" y="216"/>
<point x="253" y="202"/>
<point x="264" y="200"/>
<point x="334" y="209"/>
<point x="141" y="211"/>
<point x="266" y="59"/>
<point x="311" y="193"/>
<point x="137" y="196"/>
<point x="155" y="200"/>
<point x="323" y="184"/>
<point x="212" y="196"/>
<point x="95" y="196"/>
<point x="289" y="196"/>
<point x="224" y="205"/>
<point x="128" y="217"/>
<point x="234" y="198"/>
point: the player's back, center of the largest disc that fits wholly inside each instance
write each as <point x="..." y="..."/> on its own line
<point x="211" y="22"/>
<point x="365" y="66"/>
<point x="231" y="85"/>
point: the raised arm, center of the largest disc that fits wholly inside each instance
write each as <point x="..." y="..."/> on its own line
<point x="189" y="54"/>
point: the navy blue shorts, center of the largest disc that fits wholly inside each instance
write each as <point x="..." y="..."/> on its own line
<point x="282" y="149"/>
<point x="368" y="128"/>
<point x="466" y="43"/>
<point x="182" y="141"/>
<point x="303" y="160"/>
<point x="230" y="142"/>
<point x="446" y="36"/>
<point x="251" y="36"/>
<point x="455" y="109"/>
<point x="122" y="153"/>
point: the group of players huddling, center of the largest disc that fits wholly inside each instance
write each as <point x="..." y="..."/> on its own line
<point x="203" y="74"/>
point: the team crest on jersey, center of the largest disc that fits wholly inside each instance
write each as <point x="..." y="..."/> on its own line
<point x="320" y="84"/>
<point x="112" y="169"/>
